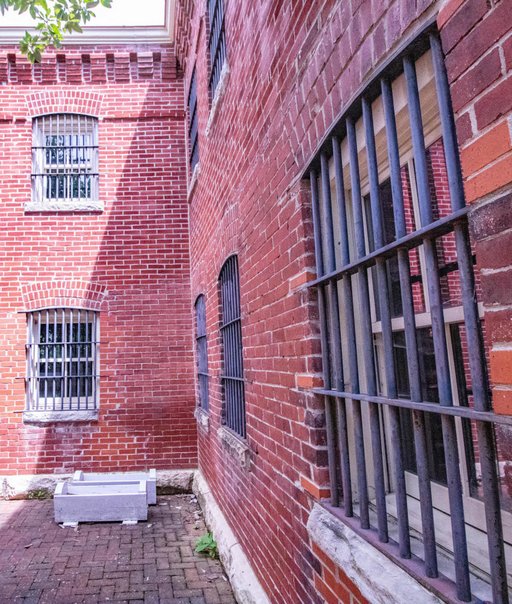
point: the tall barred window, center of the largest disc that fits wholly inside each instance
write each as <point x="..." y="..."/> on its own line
<point x="62" y="360"/>
<point x="216" y="43"/>
<point x="193" y="118"/>
<point x="64" y="158"/>
<point x="202" y="352"/>
<point x="231" y="332"/>
<point x="415" y="454"/>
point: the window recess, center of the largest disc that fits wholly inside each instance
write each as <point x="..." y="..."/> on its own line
<point x="62" y="360"/>
<point x="216" y="43"/>
<point x="417" y="457"/>
<point x="232" y="359"/>
<point x="65" y="158"/>
<point x="202" y="353"/>
<point x="193" y="123"/>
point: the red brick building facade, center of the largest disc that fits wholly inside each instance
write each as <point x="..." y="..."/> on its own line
<point x="127" y="259"/>
<point x="289" y="72"/>
<point x="267" y="88"/>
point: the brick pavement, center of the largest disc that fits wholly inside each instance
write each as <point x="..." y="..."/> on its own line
<point x="152" y="562"/>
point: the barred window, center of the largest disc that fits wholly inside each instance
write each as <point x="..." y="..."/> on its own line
<point x="216" y="43"/>
<point x="411" y="433"/>
<point x="231" y="332"/>
<point x="202" y="352"/>
<point x="65" y="158"/>
<point x="62" y="360"/>
<point x="193" y="140"/>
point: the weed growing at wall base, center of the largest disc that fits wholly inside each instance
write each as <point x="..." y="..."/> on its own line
<point x="207" y="545"/>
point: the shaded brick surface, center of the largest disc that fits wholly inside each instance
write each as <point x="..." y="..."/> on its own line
<point x="153" y="561"/>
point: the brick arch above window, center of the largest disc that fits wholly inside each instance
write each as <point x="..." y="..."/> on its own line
<point x="64" y="101"/>
<point x="72" y="293"/>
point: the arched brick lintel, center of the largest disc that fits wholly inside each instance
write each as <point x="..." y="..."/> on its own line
<point x="64" y="101"/>
<point x="63" y="294"/>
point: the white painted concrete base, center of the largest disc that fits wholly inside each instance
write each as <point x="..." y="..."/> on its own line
<point x="23" y="486"/>
<point x="245" y="584"/>
<point x="88" y="501"/>
<point x="377" y="577"/>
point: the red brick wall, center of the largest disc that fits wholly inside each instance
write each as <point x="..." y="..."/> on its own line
<point x="477" y="37"/>
<point x="131" y="259"/>
<point x="293" y="68"/>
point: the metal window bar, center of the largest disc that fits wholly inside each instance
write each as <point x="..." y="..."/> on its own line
<point x="193" y="122"/>
<point x="332" y="279"/>
<point x="231" y="332"/>
<point x="216" y="42"/>
<point x="62" y="360"/>
<point x="202" y="352"/>
<point x="65" y="158"/>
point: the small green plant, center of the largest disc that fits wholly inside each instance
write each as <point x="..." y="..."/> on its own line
<point x="39" y="494"/>
<point x="207" y="545"/>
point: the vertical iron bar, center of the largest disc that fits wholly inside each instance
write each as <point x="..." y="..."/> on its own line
<point x="439" y="337"/>
<point x="95" y="348"/>
<point x="367" y="336"/>
<point x="87" y="336"/>
<point x="348" y="304"/>
<point x="335" y="408"/>
<point x="70" y="373"/>
<point x="64" y="360"/>
<point x="413" y="367"/>
<point x="40" y="346"/>
<point x="46" y="350"/>
<point x="474" y="338"/>
<point x="387" y="335"/>
<point x="30" y="355"/>
<point x="55" y="344"/>
<point x="324" y="340"/>
<point x="78" y="369"/>
<point x="339" y="381"/>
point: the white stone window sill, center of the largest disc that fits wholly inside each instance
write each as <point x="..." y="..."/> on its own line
<point x="220" y="91"/>
<point x="203" y="419"/>
<point x="237" y="448"/>
<point x="87" y="205"/>
<point x="50" y="417"/>
<point x="379" y="579"/>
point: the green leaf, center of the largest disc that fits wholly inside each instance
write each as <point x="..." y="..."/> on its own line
<point x="207" y="545"/>
<point x="52" y="19"/>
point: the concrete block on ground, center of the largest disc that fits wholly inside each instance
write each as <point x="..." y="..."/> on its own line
<point x="90" y="501"/>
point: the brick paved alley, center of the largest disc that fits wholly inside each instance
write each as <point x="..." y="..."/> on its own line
<point x="153" y="561"/>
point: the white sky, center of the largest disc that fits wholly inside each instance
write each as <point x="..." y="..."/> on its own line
<point x="123" y="12"/>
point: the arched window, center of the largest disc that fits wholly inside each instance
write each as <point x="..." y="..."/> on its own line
<point x="202" y="353"/>
<point x="64" y="158"/>
<point x="231" y="332"/>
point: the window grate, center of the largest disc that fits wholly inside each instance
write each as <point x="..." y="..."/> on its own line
<point x="387" y="359"/>
<point x="231" y="332"/>
<point x="193" y="122"/>
<point x="202" y="352"/>
<point x="65" y="158"/>
<point x="62" y="360"/>
<point x="216" y="42"/>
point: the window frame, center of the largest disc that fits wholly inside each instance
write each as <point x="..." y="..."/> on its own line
<point x="193" y="122"/>
<point x="233" y="383"/>
<point x="70" y="354"/>
<point x="216" y="43"/>
<point x="202" y="353"/>
<point x="60" y="184"/>
<point x="333" y="283"/>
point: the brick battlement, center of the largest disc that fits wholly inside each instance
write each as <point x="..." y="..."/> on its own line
<point x="90" y="65"/>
